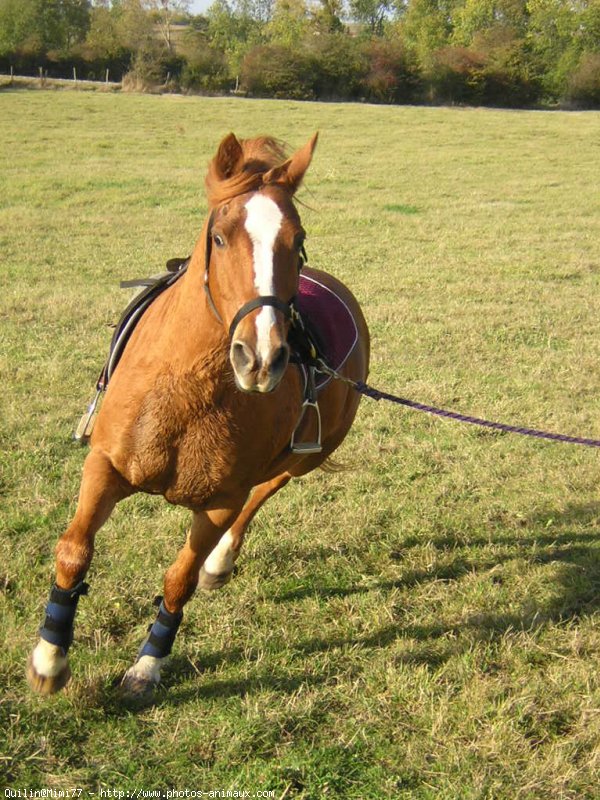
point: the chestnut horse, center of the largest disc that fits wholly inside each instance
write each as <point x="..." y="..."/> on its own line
<point x="204" y="403"/>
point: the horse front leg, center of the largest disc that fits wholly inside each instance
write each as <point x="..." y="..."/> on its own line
<point x="101" y="488"/>
<point x="180" y="582"/>
<point x="218" y="567"/>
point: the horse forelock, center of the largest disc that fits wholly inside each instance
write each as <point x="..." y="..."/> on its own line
<point x="259" y="156"/>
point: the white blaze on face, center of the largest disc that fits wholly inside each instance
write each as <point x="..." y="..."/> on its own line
<point x="263" y="221"/>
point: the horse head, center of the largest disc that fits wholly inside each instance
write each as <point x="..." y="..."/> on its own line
<point x="254" y="241"/>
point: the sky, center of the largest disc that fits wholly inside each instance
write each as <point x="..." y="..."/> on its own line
<point x="197" y="6"/>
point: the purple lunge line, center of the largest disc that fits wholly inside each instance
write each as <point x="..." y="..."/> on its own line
<point x="376" y="394"/>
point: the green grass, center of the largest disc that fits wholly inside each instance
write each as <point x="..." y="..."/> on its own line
<point x="422" y="626"/>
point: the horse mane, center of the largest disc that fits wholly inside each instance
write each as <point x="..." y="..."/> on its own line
<point x="259" y="156"/>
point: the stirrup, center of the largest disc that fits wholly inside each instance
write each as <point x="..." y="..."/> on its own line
<point x="307" y="448"/>
<point x="86" y="423"/>
<point x="310" y="401"/>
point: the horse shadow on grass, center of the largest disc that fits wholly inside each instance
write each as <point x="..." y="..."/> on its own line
<point x="199" y="683"/>
<point x="571" y="546"/>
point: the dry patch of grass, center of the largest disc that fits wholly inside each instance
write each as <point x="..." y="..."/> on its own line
<point x="26" y="82"/>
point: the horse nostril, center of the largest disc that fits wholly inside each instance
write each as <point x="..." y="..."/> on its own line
<point x="280" y="359"/>
<point x="242" y="357"/>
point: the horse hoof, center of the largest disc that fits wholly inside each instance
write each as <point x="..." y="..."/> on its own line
<point x="136" y="688"/>
<point x="47" y="684"/>
<point x="210" y="581"/>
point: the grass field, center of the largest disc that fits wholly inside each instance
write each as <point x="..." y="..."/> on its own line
<point x="422" y="626"/>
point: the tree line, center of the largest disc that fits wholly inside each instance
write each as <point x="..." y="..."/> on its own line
<point x="490" y="52"/>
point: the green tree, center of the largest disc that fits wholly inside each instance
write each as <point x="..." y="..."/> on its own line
<point x="589" y="18"/>
<point x="339" y="64"/>
<point x="260" y="11"/>
<point x="326" y="17"/>
<point x="103" y="39"/>
<point x="17" y="26"/>
<point x="40" y="26"/>
<point x="289" y="23"/>
<point x="371" y="13"/>
<point x="273" y="70"/>
<point x="232" y="31"/>
<point x="134" y="27"/>
<point x="555" y="43"/>
<point x="424" y="28"/>
<point x="164" y="13"/>
<point x="469" y="18"/>
<point x="205" y="66"/>
<point x="75" y="21"/>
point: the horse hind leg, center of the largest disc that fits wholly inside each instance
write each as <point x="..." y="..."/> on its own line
<point x="180" y="582"/>
<point x="218" y="567"/>
<point x="101" y="488"/>
<point x="217" y="570"/>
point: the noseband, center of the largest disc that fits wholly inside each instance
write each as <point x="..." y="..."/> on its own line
<point x="257" y="302"/>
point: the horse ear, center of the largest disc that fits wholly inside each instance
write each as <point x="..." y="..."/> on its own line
<point x="229" y="157"/>
<point x="290" y="173"/>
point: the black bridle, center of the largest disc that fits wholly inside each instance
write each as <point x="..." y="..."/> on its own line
<point x="287" y="309"/>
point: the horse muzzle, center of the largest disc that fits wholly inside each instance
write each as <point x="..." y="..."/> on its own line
<point x="259" y="353"/>
<point x="255" y="373"/>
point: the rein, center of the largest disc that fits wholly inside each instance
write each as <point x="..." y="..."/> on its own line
<point x="376" y="394"/>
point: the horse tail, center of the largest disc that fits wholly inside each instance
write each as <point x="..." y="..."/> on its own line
<point x="332" y="466"/>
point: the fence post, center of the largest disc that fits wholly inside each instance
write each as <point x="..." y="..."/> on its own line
<point x="106" y="79"/>
<point x="75" y="74"/>
<point x="41" y="76"/>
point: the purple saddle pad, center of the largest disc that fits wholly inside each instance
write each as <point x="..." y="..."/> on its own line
<point x="331" y="318"/>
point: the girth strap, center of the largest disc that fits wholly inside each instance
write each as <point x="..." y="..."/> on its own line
<point x="259" y="302"/>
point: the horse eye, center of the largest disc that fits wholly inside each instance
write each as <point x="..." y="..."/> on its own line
<point x="218" y="240"/>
